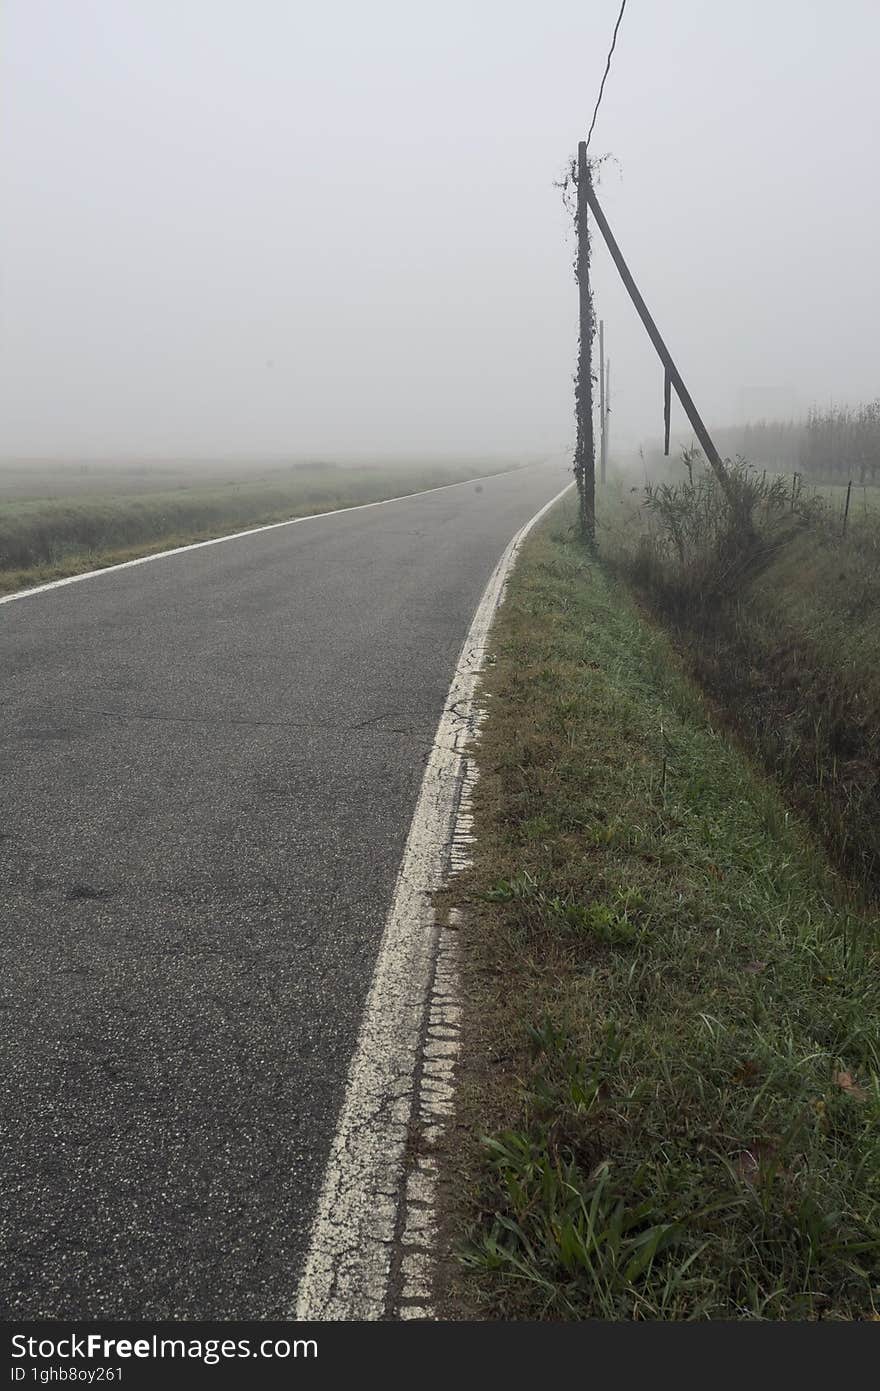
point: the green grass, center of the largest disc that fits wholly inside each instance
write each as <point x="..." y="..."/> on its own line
<point x="790" y="657"/>
<point x="65" y="527"/>
<point x="668" y="1104"/>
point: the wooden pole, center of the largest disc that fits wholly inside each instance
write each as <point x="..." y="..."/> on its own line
<point x="602" y="401"/>
<point x="663" y="352"/>
<point x="585" y="454"/>
<point x="607" y="407"/>
<point x="667" y="411"/>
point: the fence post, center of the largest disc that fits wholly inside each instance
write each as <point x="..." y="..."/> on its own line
<point x="585" y="454"/>
<point x="846" y="508"/>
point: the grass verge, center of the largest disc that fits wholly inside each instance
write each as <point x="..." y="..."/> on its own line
<point x="668" y="1103"/>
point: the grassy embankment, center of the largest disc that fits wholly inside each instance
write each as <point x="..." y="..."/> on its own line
<point x="56" y="522"/>
<point x="787" y="647"/>
<point x="668" y="1104"/>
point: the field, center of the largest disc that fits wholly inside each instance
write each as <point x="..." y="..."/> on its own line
<point x="58" y="519"/>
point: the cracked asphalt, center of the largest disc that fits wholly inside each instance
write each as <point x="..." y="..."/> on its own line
<point x="208" y="769"/>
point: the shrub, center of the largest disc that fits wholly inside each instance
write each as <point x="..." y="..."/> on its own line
<point x="703" y="542"/>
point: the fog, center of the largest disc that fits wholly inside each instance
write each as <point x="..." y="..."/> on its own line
<point x="278" y="227"/>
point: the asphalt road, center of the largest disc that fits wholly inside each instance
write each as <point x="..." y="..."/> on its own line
<point x="208" y="768"/>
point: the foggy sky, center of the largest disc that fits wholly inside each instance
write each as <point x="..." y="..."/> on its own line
<point x="259" y="226"/>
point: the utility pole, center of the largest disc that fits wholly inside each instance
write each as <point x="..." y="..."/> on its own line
<point x="585" y="455"/>
<point x="602" y="455"/>
<point x="607" y="410"/>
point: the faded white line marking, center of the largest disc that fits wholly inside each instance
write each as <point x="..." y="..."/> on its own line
<point x="414" y="1296"/>
<point x="346" y="1275"/>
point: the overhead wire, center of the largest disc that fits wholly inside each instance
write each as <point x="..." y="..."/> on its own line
<point x="606" y="72"/>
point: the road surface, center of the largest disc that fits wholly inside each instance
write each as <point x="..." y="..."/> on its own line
<point x="208" y="769"/>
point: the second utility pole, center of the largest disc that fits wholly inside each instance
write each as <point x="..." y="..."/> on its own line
<point x="585" y="454"/>
<point x="607" y="409"/>
<point x="602" y="403"/>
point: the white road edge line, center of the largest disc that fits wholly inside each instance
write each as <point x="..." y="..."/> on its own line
<point x="251" y="531"/>
<point x="346" y="1274"/>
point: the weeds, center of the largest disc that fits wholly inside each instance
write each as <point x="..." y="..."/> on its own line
<point x="701" y="543"/>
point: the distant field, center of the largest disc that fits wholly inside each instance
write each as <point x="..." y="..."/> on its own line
<point x="57" y="479"/>
<point x="37" y="478"/>
<point x="59" y="519"/>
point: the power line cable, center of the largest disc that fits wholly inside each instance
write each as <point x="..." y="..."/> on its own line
<point x="607" y="70"/>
